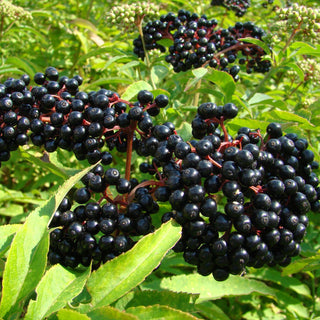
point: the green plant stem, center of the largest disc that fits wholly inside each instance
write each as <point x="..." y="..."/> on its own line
<point x="129" y="149"/>
<point x="261" y="84"/>
<point x="139" y="24"/>
<point x="295" y="89"/>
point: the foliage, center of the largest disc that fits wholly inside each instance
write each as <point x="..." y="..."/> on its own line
<point x="74" y="37"/>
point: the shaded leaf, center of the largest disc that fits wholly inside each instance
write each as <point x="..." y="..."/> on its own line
<point x="6" y="235"/>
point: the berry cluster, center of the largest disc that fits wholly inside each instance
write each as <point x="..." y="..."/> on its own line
<point x="97" y="230"/>
<point x="240" y="7"/>
<point x="55" y="114"/>
<point x="197" y="43"/>
<point x="266" y="185"/>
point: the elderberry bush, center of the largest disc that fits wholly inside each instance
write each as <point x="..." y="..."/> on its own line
<point x="265" y="185"/>
<point x="56" y="114"/>
<point x="197" y="43"/>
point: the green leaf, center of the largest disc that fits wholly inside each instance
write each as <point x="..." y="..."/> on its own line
<point x="134" y="88"/>
<point x="258" y="43"/>
<point x="157" y="312"/>
<point x="27" y="256"/>
<point x="22" y="64"/>
<point x="295" y="306"/>
<point x="42" y="164"/>
<point x="224" y="81"/>
<point x="182" y="301"/>
<point x="158" y="73"/>
<point x="6" y="235"/>
<point x="211" y="311"/>
<point x="66" y="314"/>
<point x="303" y="265"/>
<point x="84" y="24"/>
<point x="297" y="69"/>
<point x="93" y="53"/>
<point x="57" y="287"/>
<point x="303" y="48"/>
<point x="267" y="274"/>
<point x="106" y="286"/>
<point x="208" y="288"/>
<point x="185" y="131"/>
<point x="290" y="117"/>
<point x="259" y="98"/>
<point x="198" y="73"/>
<point x="110" y="313"/>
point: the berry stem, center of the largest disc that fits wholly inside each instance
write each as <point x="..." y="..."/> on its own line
<point x="132" y="127"/>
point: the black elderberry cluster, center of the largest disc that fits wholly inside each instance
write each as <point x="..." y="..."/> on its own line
<point x="95" y="231"/>
<point x="266" y="186"/>
<point x="240" y="7"/>
<point x="197" y="43"/>
<point x="56" y="114"/>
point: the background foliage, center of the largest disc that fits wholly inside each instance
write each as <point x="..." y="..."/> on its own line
<point x="74" y="37"/>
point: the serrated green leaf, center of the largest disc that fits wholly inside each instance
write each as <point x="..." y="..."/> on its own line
<point x="295" y="306"/>
<point x="57" y="287"/>
<point x="258" y="98"/>
<point x="224" y="81"/>
<point x="134" y="88"/>
<point x="27" y="256"/>
<point x="42" y="164"/>
<point x="275" y="276"/>
<point x="208" y="288"/>
<point x="66" y="314"/>
<point x="291" y="117"/>
<point x="303" y="265"/>
<point x="303" y="48"/>
<point x="158" y="312"/>
<point x="110" y="313"/>
<point x="211" y="311"/>
<point x="181" y="301"/>
<point x="22" y="64"/>
<point x="6" y="235"/>
<point x="258" y="43"/>
<point x="106" y="286"/>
